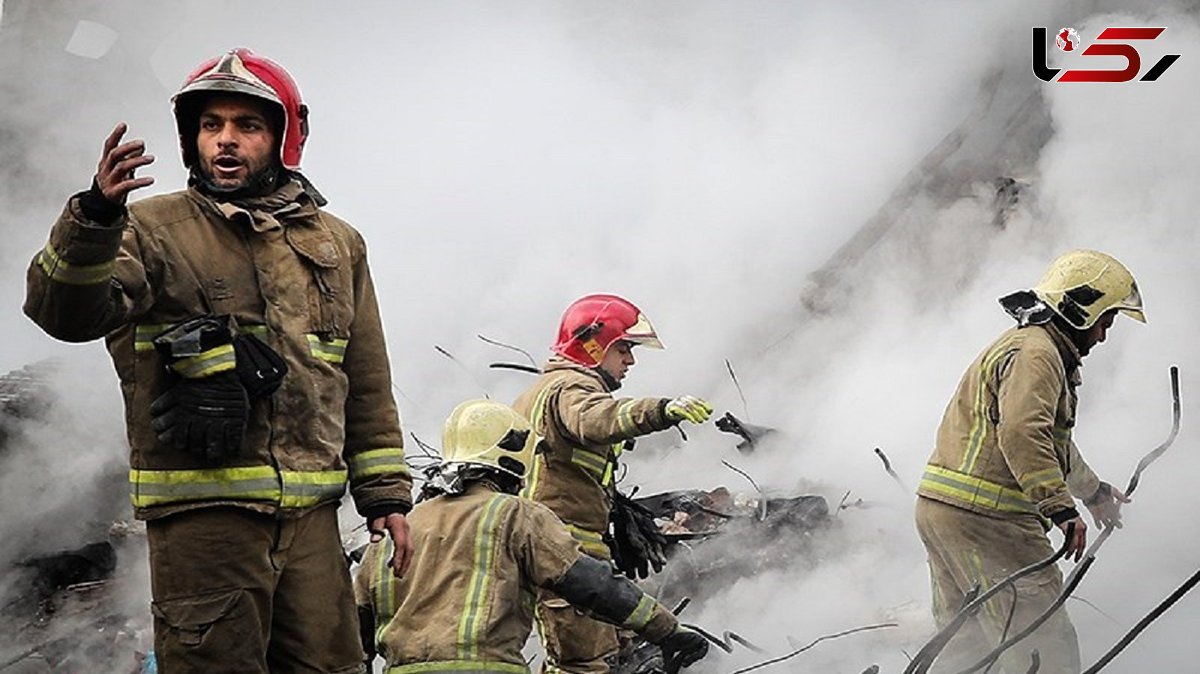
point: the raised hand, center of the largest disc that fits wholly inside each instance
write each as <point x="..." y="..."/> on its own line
<point x="115" y="172"/>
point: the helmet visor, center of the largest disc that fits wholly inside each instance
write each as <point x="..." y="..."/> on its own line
<point x="642" y="333"/>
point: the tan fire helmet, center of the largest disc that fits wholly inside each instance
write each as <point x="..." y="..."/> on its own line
<point x="1082" y="285"/>
<point x="488" y="433"/>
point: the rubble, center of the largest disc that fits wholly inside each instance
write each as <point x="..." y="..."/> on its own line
<point x="60" y="609"/>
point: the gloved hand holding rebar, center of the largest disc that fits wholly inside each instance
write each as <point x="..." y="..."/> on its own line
<point x="684" y="647"/>
<point x="688" y="408"/>
<point x="1105" y="506"/>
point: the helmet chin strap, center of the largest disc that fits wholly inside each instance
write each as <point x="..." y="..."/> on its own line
<point x="260" y="184"/>
<point x="609" y="380"/>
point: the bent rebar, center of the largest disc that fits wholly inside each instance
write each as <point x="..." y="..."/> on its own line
<point x="814" y="642"/>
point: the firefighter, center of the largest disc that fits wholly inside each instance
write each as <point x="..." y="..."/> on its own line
<point x="242" y="322"/>
<point x="1005" y="468"/>
<point x="465" y="605"/>
<point x="585" y="430"/>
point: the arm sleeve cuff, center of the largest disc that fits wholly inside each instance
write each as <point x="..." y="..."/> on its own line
<point x="383" y="510"/>
<point x="97" y="208"/>
<point x="1064" y="516"/>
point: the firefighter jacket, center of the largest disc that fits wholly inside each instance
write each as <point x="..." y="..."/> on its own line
<point x="1004" y="448"/>
<point x="584" y="430"/>
<point x="466" y="603"/>
<point x="284" y="270"/>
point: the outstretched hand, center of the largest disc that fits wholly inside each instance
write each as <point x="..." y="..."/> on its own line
<point x="688" y="408"/>
<point x="118" y="163"/>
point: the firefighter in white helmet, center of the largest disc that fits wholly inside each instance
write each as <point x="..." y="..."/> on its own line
<point x="1005" y="468"/>
<point x="585" y="429"/>
<point x="482" y="552"/>
<point x="242" y="322"/>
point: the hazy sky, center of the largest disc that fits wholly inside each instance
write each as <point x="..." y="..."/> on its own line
<point x="702" y="158"/>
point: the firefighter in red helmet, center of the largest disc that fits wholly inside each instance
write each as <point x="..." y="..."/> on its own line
<point x="242" y="322"/>
<point x="585" y="429"/>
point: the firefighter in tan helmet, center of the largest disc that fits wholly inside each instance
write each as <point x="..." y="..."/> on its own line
<point x="585" y="429"/>
<point x="482" y="551"/>
<point x="1005" y="469"/>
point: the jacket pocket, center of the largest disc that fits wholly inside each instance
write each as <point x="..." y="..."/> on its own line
<point x="331" y="297"/>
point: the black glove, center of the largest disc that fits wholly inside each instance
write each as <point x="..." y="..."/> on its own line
<point x="206" y="416"/>
<point x="683" y="648"/>
<point x="635" y="540"/>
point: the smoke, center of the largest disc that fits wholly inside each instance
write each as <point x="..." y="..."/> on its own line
<point x="703" y="159"/>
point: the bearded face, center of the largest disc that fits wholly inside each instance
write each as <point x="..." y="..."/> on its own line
<point x="236" y="145"/>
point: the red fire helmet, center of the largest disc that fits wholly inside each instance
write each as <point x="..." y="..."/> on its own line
<point x="593" y="322"/>
<point x="241" y="71"/>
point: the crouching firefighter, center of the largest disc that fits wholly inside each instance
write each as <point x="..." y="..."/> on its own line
<point x="585" y="430"/>
<point x="1006" y="469"/>
<point x="466" y="603"/>
<point x="242" y="322"/>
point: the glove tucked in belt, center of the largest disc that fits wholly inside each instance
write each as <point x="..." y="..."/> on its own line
<point x="205" y="412"/>
<point x="635" y="540"/>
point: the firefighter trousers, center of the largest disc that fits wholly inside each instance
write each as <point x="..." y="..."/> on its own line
<point x="966" y="548"/>
<point x="240" y="592"/>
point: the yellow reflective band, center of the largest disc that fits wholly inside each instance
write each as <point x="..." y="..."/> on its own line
<point x="377" y="462"/>
<point x="539" y="411"/>
<point x="641" y="614"/>
<point x="980" y="420"/>
<point x="61" y="271"/>
<point x="481" y="577"/>
<point x="591" y="462"/>
<point x="160" y="487"/>
<point x="144" y="334"/>
<point x="207" y="363"/>
<point x="592" y="542"/>
<point x="460" y="667"/>
<point x="608" y="474"/>
<point x="973" y="490"/>
<point x="302" y="489"/>
<point x="331" y="350"/>
<point x="993" y="608"/>
<point x="1040" y="477"/>
<point x="1061" y="433"/>
<point x="625" y="418"/>
<point x="383" y="590"/>
<point x="290" y="489"/>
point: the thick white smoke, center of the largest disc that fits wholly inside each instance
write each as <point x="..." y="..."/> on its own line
<point x="702" y="159"/>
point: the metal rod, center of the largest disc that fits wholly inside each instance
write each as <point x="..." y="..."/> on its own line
<point x="1144" y="623"/>
<point x="814" y="642"/>
<point x="510" y="347"/>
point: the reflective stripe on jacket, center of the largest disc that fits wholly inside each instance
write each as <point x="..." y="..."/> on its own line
<point x="584" y="430"/>
<point x="1004" y="447"/>
<point x="290" y="273"/>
